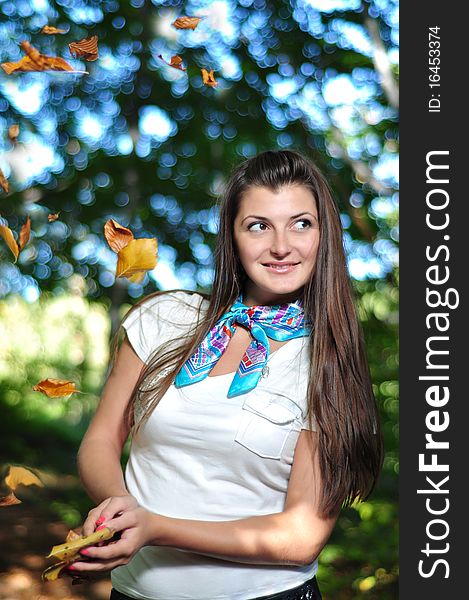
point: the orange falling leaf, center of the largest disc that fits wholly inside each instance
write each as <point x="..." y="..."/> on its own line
<point x="117" y="236"/>
<point x="53" y="217"/>
<point x="175" y="62"/>
<point x="34" y="54"/>
<point x="25" y="233"/>
<point x="9" y="239"/>
<point x="13" y="132"/>
<point x="55" y="388"/>
<point x="9" y="500"/>
<point x="208" y="78"/>
<point x="17" y="476"/>
<point x="16" y="247"/>
<point x="4" y="182"/>
<point x="25" y="64"/>
<point x="186" y="22"/>
<point x="134" y="257"/>
<point x="51" y="30"/>
<point x="35" y="61"/>
<point x="137" y="257"/>
<point x="21" y="476"/>
<point x="86" y="48"/>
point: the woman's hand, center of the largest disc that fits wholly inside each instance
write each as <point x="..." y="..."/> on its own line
<point x="107" y="510"/>
<point x="135" y="524"/>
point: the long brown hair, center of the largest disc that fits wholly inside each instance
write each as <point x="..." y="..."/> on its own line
<point x="339" y="392"/>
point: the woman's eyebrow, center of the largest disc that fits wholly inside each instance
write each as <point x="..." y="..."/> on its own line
<point x="267" y="219"/>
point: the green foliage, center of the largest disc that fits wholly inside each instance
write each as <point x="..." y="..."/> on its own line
<point x="62" y="338"/>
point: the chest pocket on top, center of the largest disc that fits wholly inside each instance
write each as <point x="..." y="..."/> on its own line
<point x="267" y="422"/>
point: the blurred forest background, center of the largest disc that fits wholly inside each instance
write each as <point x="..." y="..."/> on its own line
<point x="151" y="146"/>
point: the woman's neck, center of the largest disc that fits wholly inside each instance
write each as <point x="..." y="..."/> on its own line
<point x="252" y="299"/>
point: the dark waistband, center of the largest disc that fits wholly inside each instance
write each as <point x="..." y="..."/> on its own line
<point x="308" y="590"/>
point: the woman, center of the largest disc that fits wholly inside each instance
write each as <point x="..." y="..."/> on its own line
<point x="252" y="413"/>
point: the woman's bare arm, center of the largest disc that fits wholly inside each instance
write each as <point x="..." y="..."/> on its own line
<point x="294" y="537"/>
<point x="100" y="451"/>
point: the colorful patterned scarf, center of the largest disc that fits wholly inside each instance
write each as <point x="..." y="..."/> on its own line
<point x="280" y="322"/>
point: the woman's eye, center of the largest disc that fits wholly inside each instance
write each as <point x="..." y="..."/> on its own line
<point x="307" y="223"/>
<point x="260" y="226"/>
<point x="251" y="227"/>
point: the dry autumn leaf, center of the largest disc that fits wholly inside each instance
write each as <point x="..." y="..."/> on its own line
<point x="51" y="30"/>
<point x="4" y="182"/>
<point x="55" y="388"/>
<point x="25" y="234"/>
<point x="10" y="241"/>
<point x="72" y="535"/>
<point x="53" y="217"/>
<point x="35" y="61"/>
<point x="9" y="500"/>
<point x="34" y="54"/>
<point x="136" y="258"/>
<point x="175" y="62"/>
<point x="186" y="22"/>
<point x="74" y="543"/>
<point x="208" y="78"/>
<point x="117" y="236"/>
<point x="21" y="476"/>
<point x="86" y="48"/>
<point x="69" y="552"/>
<point x="25" y="64"/>
<point x="13" y="132"/>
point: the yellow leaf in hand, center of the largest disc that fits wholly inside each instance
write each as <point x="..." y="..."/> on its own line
<point x="70" y="549"/>
<point x="69" y="552"/>
<point x="53" y="572"/>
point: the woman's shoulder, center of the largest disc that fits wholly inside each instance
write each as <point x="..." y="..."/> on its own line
<point x="174" y="309"/>
<point x="172" y="300"/>
<point x="162" y="317"/>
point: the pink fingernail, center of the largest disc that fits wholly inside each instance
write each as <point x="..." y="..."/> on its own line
<point x="71" y="568"/>
<point x="101" y="527"/>
<point x="85" y="552"/>
<point x="100" y="520"/>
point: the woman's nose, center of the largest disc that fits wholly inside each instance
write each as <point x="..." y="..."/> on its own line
<point x="280" y="243"/>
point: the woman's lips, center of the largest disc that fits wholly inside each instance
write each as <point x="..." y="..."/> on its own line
<point x="281" y="268"/>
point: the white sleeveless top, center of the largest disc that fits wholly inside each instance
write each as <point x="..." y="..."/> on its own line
<point x="204" y="456"/>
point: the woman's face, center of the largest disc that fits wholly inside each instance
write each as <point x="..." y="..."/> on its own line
<point x="273" y="229"/>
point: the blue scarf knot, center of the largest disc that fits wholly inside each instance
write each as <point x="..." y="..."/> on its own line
<point x="281" y="322"/>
